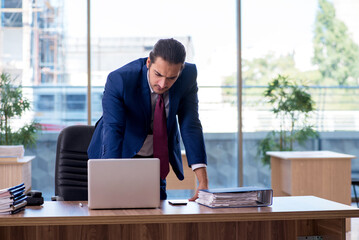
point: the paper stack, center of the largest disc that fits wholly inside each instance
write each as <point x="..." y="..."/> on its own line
<point x="236" y="197"/>
<point x="12" y="200"/>
<point x="10" y="153"/>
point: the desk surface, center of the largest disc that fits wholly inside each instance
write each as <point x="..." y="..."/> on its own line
<point x="309" y="155"/>
<point x="287" y="208"/>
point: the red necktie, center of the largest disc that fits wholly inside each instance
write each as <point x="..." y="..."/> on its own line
<point x="160" y="142"/>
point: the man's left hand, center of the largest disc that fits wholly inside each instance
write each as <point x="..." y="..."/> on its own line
<point x="201" y="174"/>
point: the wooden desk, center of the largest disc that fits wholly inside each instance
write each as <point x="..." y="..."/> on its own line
<point x="288" y="218"/>
<point x="14" y="173"/>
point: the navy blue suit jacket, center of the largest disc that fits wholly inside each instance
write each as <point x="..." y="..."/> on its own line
<point x="126" y="120"/>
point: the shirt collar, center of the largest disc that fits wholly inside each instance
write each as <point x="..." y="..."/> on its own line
<point x="148" y="81"/>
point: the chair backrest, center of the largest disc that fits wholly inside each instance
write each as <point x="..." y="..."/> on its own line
<point x="71" y="162"/>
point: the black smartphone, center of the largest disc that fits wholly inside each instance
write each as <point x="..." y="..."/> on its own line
<point x="178" y="202"/>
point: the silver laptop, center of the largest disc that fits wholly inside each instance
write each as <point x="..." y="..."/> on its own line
<point x="123" y="183"/>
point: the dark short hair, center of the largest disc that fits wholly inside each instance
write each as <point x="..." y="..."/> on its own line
<point x="170" y="50"/>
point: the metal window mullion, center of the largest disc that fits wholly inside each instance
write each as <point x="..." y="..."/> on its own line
<point x="239" y="96"/>
<point x="88" y="62"/>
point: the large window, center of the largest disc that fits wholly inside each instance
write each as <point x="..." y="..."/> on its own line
<point x="48" y="53"/>
<point x="44" y="45"/>
<point x="122" y="31"/>
<point x="313" y="41"/>
<point x="36" y="48"/>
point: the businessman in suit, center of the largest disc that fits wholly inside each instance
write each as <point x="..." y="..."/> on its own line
<point x="141" y="103"/>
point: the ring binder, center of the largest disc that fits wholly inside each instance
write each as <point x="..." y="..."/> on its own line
<point x="236" y="197"/>
<point x="12" y="200"/>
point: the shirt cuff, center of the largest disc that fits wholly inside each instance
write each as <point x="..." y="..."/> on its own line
<point x="198" y="165"/>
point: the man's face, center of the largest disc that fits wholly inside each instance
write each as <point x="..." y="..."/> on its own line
<point x="162" y="74"/>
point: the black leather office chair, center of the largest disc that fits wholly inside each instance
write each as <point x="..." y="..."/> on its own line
<point x="71" y="163"/>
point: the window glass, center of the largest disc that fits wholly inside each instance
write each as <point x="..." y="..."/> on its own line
<point x="43" y="46"/>
<point x="10" y="16"/>
<point x="75" y="102"/>
<point x="45" y="102"/>
<point x="38" y="47"/>
<point x="318" y="49"/>
<point x="125" y="32"/>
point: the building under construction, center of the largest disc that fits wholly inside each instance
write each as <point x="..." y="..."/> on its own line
<point x="51" y="64"/>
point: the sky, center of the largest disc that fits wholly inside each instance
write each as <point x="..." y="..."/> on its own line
<point x="211" y="25"/>
<point x="279" y="26"/>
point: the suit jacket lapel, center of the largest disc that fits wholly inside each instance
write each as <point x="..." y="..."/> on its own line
<point x="146" y="96"/>
<point x="173" y="103"/>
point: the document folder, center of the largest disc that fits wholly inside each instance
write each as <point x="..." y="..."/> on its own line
<point x="236" y="197"/>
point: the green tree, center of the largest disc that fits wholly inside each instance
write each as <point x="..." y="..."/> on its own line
<point x="14" y="105"/>
<point x="335" y="53"/>
<point x="229" y="90"/>
<point x="259" y="71"/>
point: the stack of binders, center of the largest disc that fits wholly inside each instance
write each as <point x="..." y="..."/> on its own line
<point x="12" y="200"/>
<point x="236" y="197"/>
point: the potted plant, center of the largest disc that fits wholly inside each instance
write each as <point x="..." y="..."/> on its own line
<point x="292" y="104"/>
<point x="12" y="106"/>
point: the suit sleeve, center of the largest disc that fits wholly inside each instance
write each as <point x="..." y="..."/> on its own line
<point x="114" y="122"/>
<point x="190" y="125"/>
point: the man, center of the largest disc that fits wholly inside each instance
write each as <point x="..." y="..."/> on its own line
<point x="140" y="104"/>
